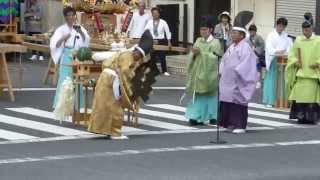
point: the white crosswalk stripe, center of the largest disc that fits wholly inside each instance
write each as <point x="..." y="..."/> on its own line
<point x="40" y="126"/>
<point x="168" y="118"/>
<point x="10" y="135"/>
<point x="250" y="120"/>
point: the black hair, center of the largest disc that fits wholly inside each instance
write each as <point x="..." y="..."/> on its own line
<point x="68" y="9"/>
<point x="253" y="27"/>
<point x="224" y="15"/>
<point x="243" y="34"/>
<point x="282" y="21"/>
<point x="155" y="9"/>
<point x="206" y="21"/>
<point x="308" y="17"/>
<point x="306" y="24"/>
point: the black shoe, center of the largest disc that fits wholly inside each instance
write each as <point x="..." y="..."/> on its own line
<point x="304" y="121"/>
<point x="193" y="122"/>
<point x="213" y="122"/>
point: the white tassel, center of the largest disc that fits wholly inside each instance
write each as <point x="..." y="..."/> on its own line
<point x="182" y="98"/>
<point x="65" y="104"/>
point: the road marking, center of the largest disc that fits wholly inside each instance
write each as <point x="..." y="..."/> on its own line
<point x="269" y="123"/>
<point x="32" y="89"/>
<point x="40" y="126"/>
<point x="168" y="107"/>
<point x="169" y="88"/>
<point x="262" y="106"/>
<point x="10" y="135"/>
<point x="251" y="112"/>
<point x="163" y="115"/>
<point x="53" y="89"/>
<point x="155" y="150"/>
<point x="163" y="125"/>
<point x="50" y="115"/>
<point x="269" y="114"/>
<point x="132" y="133"/>
<point x="36" y="112"/>
<point x="128" y="129"/>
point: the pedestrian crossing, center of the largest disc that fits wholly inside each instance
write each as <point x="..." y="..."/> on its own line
<point x="153" y="119"/>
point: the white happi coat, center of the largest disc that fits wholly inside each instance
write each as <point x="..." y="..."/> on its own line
<point x="75" y="41"/>
<point x="276" y="42"/>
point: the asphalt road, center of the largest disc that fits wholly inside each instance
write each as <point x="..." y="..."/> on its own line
<point x="163" y="147"/>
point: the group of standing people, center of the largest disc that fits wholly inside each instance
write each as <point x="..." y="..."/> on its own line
<point x="302" y="72"/>
<point x="225" y="88"/>
<point x="126" y="75"/>
<point x="221" y="88"/>
<point x="159" y="29"/>
<point x="223" y="71"/>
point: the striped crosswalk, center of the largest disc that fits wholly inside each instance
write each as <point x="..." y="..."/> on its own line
<point x="31" y="123"/>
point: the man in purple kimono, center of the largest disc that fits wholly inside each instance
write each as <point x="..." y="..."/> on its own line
<point x="238" y="82"/>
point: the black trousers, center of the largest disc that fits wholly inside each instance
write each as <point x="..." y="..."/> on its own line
<point x="306" y="113"/>
<point x="160" y="56"/>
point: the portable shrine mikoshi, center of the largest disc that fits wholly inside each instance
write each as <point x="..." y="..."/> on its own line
<point x="83" y="72"/>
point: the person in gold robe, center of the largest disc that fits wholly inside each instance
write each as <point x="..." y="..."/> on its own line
<point x="120" y="87"/>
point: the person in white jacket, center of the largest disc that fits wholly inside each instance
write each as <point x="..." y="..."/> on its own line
<point x="277" y="44"/>
<point x="138" y="22"/>
<point x="65" y="40"/>
<point x="160" y="31"/>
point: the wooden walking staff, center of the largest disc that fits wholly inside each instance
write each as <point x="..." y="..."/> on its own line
<point x="281" y="101"/>
<point x="299" y="57"/>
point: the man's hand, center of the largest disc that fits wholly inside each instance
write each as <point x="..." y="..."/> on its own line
<point x="66" y="37"/>
<point x="280" y="53"/>
<point x="63" y="39"/>
<point x="83" y="37"/>
<point x="298" y="64"/>
<point x="195" y="51"/>
<point x="315" y="66"/>
<point x="169" y="45"/>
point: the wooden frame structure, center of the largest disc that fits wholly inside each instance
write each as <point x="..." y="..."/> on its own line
<point x="5" y="80"/>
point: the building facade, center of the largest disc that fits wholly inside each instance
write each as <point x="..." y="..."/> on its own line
<point x="265" y="13"/>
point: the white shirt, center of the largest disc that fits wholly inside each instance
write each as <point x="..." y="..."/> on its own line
<point x="120" y="46"/>
<point x="75" y="41"/>
<point x="276" y="42"/>
<point x="163" y="29"/>
<point x="138" y="24"/>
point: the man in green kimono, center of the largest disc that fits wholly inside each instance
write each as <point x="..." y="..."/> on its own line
<point x="202" y="81"/>
<point x="303" y="77"/>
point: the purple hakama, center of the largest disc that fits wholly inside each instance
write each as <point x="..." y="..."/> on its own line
<point x="235" y="120"/>
<point x="237" y="84"/>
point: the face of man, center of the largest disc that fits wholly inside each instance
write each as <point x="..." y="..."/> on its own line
<point x="280" y="28"/>
<point x="70" y="18"/>
<point x="141" y="8"/>
<point x="205" y="32"/>
<point x="155" y="14"/>
<point x="236" y="36"/>
<point x="137" y="55"/>
<point x="252" y="33"/>
<point x="307" y="32"/>
<point x="224" y="20"/>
